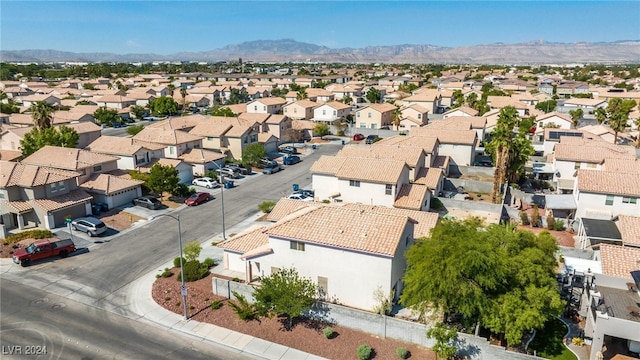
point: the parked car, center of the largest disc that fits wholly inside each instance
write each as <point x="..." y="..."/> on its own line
<point x="358" y="137"/>
<point x="89" y="225"/>
<point x="371" y="139"/>
<point x="42" y="249"/>
<point x="243" y="170"/>
<point x="300" y="197"/>
<point x="148" y="201"/>
<point x="228" y="172"/>
<point x="273" y="168"/>
<point x="197" y="198"/>
<point x="288" y="150"/>
<point x="207" y="182"/>
<point x="305" y="192"/>
<point x="291" y="159"/>
<point x="265" y="162"/>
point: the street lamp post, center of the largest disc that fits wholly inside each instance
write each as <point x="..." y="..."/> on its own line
<point x="183" y="287"/>
<point x="221" y="178"/>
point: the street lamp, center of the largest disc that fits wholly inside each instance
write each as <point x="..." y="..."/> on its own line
<point x="183" y="288"/>
<point x="224" y="236"/>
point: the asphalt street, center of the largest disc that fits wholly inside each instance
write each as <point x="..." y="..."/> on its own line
<point x="40" y="325"/>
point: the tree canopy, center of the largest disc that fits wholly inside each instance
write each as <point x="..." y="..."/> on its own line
<point x="163" y="106"/>
<point x="499" y="277"/>
<point x="42" y="114"/>
<point x="618" y="114"/>
<point x="373" y="95"/>
<point x="107" y="117"/>
<point x="38" y="138"/>
<point x="163" y="179"/>
<point x="285" y="293"/>
<point x="547" y="106"/>
<point x="218" y="110"/>
<point x="253" y="153"/>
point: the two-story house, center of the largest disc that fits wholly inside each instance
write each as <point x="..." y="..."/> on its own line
<point x="229" y="136"/>
<point x="553" y="120"/>
<point x="114" y="101"/>
<point x="39" y="196"/>
<point x="413" y="116"/>
<point x="429" y="99"/>
<point x="374" y="116"/>
<point x="413" y="156"/>
<point x="299" y="109"/>
<point x="606" y="194"/>
<point x="131" y="154"/>
<point x="458" y="145"/>
<point x="271" y="105"/>
<point x="330" y="112"/>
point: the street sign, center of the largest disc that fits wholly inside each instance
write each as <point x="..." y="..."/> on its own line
<point x="183" y="290"/>
<point x="68" y="220"/>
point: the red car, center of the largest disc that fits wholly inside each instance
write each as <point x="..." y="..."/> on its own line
<point x="197" y="198"/>
<point x="358" y="137"/>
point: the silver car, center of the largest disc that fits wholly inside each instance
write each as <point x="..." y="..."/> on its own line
<point x="89" y="225"/>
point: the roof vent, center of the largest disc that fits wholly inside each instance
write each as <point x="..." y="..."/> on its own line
<point x="341" y="231"/>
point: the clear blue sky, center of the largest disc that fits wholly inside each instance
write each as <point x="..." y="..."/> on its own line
<point x="166" y="27"/>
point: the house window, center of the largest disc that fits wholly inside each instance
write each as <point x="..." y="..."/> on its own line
<point x="355" y="183"/>
<point x="255" y="108"/>
<point x="97" y="168"/>
<point x="363" y="125"/>
<point x="419" y="116"/>
<point x="609" y="200"/>
<point x="323" y="286"/>
<point x="295" y="110"/>
<point x="324" y="112"/>
<point x="172" y="150"/>
<point x="369" y="115"/>
<point x="577" y="165"/>
<point x="335" y="112"/>
<point x="296" y="245"/>
<point x="54" y="187"/>
<point x="629" y="200"/>
<point x="387" y="189"/>
<point x="1" y="196"/>
<point x="374" y="126"/>
<point x="358" y="115"/>
<point x="61" y="185"/>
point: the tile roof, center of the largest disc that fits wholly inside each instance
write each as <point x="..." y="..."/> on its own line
<point x="247" y="240"/>
<point x="114" y="145"/>
<point x="164" y="162"/>
<point x="428" y="143"/>
<point x="464" y="109"/>
<point x="84" y="127"/>
<point x="429" y="177"/>
<point x="425" y="220"/>
<point x="20" y="206"/>
<point x="371" y="170"/>
<point x="345" y="228"/>
<point x="60" y="202"/>
<point x="16" y="174"/>
<point x="302" y="124"/>
<point x="67" y="158"/>
<point x="411" y="197"/>
<point x="447" y="124"/>
<point x="590" y="151"/>
<point x="327" y="165"/>
<point x="10" y="155"/>
<point x="196" y="156"/>
<point x="165" y="134"/>
<point x="336" y="105"/>
<point x="476" y="122"/>
<point x="626" y="165"/>
<point x="286" y="206"/>
<point x="108" y="184"/>
<point x="211" y="128"/>
<point x="608" y="182"/>
<point x="441" y="161"/>
<point x="619" y="261"/>
<point x="385" y="107"/>
<point x="271" y="101"/>
<point x="409" y="154"/>
<point x="467" y="137"/>
<point x="254" y="117"/>
<point x="629" y="227"/>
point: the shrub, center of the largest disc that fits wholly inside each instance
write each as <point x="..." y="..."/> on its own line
<point x="29" y="234"/>
<point x="577" y="341"/>
<point x="402" y="353"/>
<point x="192" y="250"/>
<point x="235" y="279"/>
<point x="524" y="218"/>
<point x="209" y="262"/>
<point x="167" y="298"/>
<point x="176" y="262"/>
<point x="436" y="204"/>
<point x="216" y="304"/>
<point x="266" y="206"/>
<point x="242" y="307"/>
<point x="364" y="352"/>
<point x="182" y="190"/>
<point x="551" y="221"/>
<point x="165" y="274"/>
<point x="535" y="216"/>
<point x="558" y="225"/>
<point x="193" y="270"/>
<point x="328" y="332"/>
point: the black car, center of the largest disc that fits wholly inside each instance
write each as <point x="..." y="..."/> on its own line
<point x="149" y="202"/>
<point x="288" y="150"/>
<point x="371" y="139"/>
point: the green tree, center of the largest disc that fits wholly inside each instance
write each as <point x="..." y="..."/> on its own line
<point x="163" y="106"/>
<point x="500" y="146"/>
<point x="83" y="102"/>
<point x="373" y="95"/>
<point x="218" y="110"/>
<point x="321" y="129"/>
<point x="107" y="117"/>
<point x="396" y="118"/>
<point x="601" y="115"/>
<point x="547" y="106"/>
<point x="618" y="115"/>
<point x="444" y="337"/>
<point x="37" y="138"/>
<point x="302" y="94"/>
<point x="134" y="129"/>
<point x="347" y="100"/>
<point x="171" y="88"/>
<point x="576" y="115"/>
<point x="138" y="111"/>
<point x="163" y="179"/>
<point x="237" y="96"/>
<point x="9" y="107"/>
<point x="192" y="250"/>
<point x="42" y="114"/>
<point x="285" y="293"/>
<point x="252" y="154"/>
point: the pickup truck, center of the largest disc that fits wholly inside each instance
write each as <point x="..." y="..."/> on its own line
<point x="42" y="249"/>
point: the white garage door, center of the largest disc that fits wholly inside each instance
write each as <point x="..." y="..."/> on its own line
<point x="123" y="197"/>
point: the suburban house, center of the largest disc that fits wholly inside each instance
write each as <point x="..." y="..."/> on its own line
<point x="331" y="111"/>
<point x="500" y="102"/>
<point x="571" y="88"/>
<point x="202" y="160"/>
<point x="554" y="120"/>
<point x="372" y="181"/>
<point x="606" y="194"/>
<point x="130" y="153"/>
<point x="299" y="109"/>
<point x="270" y="105"/>
<point x="114" y="101"/>
<point x="314" y="239"/>
<point x="459" y="145"/>
<point x="413" y="116"/>
<point x="112" y="190"/>
<point x="429" y="99"/>
<point x="340" y="91"/>
<point x="38" y="196"/>
<point x="319" y="95"/>
<point x="475" y="123"/>
<point x="279" y="126"/>
<point x="585" y="104"/>
<point x="229" y="136"/>
<point x="84" y="162"/>
<point x="29" y="100"/>
<point x="185" y="170"/>
<point x="172" y="134"/>
<point x="375" y="116"/>
<point x="460" y="111"/>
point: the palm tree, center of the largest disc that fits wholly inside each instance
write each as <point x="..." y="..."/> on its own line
<point x="500" y="146"/>
<point x="302" y="94"/>
<point x="171" y="89"/>
<point x="42" y="114"/>
<point x="183" y="93"/>
<point x="601" y="115"/>
<point x="576" y="115"/>
<point x="618" y="114"/>
<point x="396" y="118"/>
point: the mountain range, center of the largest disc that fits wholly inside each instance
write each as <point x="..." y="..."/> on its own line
<point x="289" y="50"/>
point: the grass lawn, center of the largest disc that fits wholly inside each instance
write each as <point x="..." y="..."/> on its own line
<point x="548" y="342"/>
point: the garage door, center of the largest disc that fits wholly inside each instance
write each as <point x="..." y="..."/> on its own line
<point x="76" y="211"/>
<point x="123" y="197"/>
<point x="271" y="147"/>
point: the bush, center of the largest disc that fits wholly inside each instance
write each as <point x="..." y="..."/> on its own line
<point x="192" y="250"/>
<point x="524" y="218"/>
<point x="242" y="307"/>
<point x="551" y="222"/>
<point x="364" y="352"/>
<point x="402" y="353"/>
<point x="176" y="262"/>
<point x="328" y="332"/>
<point x="558" y="225"/>
<point x="29" y="234"/>
<point x="209" y="262"/>
<point x="216" y="304"/>
<point x="535" y="216"/>
<point x="182" y="190"/>
<point x="193" y="271"/>
<point x="266" y="206"/>
<point x="165" y="274"/>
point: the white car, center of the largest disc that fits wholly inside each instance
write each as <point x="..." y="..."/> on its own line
<point x="207" y="182"/>
<point x="300" y="197"/>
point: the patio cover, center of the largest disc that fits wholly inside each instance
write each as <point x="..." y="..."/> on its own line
<point x="560" y="202"/>
<point x="601" y="229"/>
